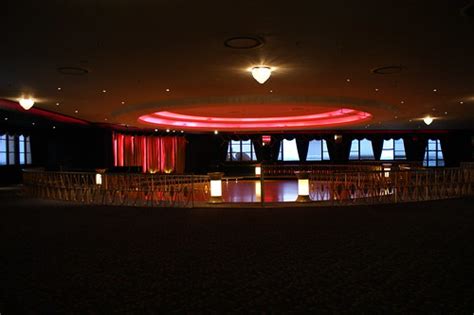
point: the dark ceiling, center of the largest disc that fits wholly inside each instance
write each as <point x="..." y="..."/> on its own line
<point x="115" y="59"/>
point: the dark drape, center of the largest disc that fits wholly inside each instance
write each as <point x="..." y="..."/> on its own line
<point x="331" y="144"/>
<point x="377" y="146"/>
<point x="302" y="144"/>
<point x="275" y="148"/>
<point x="223" y="148"/>
<point x="456" y="148"/>
<point x="343" y="148"/>
<point x="259" y="148"/>
<point x="339" y="150"/>
<point x="415" y="148"/>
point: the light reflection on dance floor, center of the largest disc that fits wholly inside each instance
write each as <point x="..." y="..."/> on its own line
<point x="250" y="190"/>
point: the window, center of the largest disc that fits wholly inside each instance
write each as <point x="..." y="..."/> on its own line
<point x="21" y="149"/>
<point x="8" y="150"/>
<point x="433" y="154"/>
<point x="393" y="150"/>
<point x="28" y="150"/>
<point x="317" y="151"/>
<point x="361" y="150"/>
<point x="241" y="150"/>
<point x="24" y="150"/>
<point x="288" y="151"/>
<point x="3" y="149"/>
<point x="11" y="150"/>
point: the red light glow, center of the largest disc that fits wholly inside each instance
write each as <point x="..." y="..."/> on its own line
<point x="190" y="122"/>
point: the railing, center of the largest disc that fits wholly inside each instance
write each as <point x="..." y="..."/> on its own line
<point x="392" y="186"/>
<point x="325" y="185"/>
<point x="288" y="170"/>
<point x="151" y="190"/>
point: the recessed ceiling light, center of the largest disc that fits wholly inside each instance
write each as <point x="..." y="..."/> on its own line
<point x="434" y="109"/>
<point x="216" y="132"/>
<point x="387" y="70"/>
<point x="174" y="130"/>
<point x="54" y="127"/>
<point x="72" y="71"/>
<point x="57" y="104"/>
<point x="167" y="130"/>
<point x="348" y="80"/>
<point x="6" y="118"/>
<point x="105" y="119"/>
<point x="271" y="91"/>
<point x="59" y="89"/>
<point x="376" y="90"/>
<point x="461" y="102"/>
<point x="182" y="131"/>
<point x="33" y="124"/>
<point x="167" y="90"/>
<point x="402" y="102"/>
<point x="123" y="102"/>
<point x="156" y="130"/>
<point x="445" y="113"/>
<point x="396" y="117"/>
<point x="104" y="91"/>
<point x="76" y="111"/>
<point x="410" y="120"/>
<point x="243" y="42"/>
<point x="435" y="90"/>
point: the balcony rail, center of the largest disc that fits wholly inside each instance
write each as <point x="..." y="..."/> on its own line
<point x="151" y="190"/>
<point x="392" y="186"/>
<point x="326" y="185"/>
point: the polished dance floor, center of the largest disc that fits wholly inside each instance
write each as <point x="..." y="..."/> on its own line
<point x="251" y="190"/>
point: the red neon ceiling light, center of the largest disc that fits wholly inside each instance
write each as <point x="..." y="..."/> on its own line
<point x="189" y="122"/>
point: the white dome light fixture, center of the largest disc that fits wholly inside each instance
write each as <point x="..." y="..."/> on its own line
<point x="261" y="73"/>
<point x="428" y="120"/>
<point x="26" y="103"/>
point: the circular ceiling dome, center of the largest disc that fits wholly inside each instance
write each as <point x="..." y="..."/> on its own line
<point x="245" y="121"/>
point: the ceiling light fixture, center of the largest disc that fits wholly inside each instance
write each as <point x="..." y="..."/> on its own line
<point x="261" y="73"/>
<point x="428" y="120"/>
<point x="26" y="103"/>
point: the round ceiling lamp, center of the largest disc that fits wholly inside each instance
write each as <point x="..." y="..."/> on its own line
<point x="428" y="120"/>
<point x="26" y="103"/>
<point x="261" y="73"/>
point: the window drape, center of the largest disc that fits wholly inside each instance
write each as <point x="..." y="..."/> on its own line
<point x="152" y="153"/>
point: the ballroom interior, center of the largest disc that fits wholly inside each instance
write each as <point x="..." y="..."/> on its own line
<point x="236" y="156"/>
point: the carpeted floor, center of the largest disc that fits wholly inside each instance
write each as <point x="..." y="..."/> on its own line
<point x="406" y="258"/>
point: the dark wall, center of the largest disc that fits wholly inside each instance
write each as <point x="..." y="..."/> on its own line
<point x="203" y="153"/>
<point x="67" y="147"/>
<point x="73" y="148"/>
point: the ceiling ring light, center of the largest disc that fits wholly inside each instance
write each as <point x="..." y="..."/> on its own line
<point x="337" y="117"/>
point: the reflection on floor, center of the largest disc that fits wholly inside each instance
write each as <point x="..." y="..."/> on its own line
<point x="251" y="190"/>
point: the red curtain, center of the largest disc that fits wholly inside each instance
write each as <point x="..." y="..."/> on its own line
<point x="154" y="154"/>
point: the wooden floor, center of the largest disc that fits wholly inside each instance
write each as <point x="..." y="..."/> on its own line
<point x="405" y="258"/>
